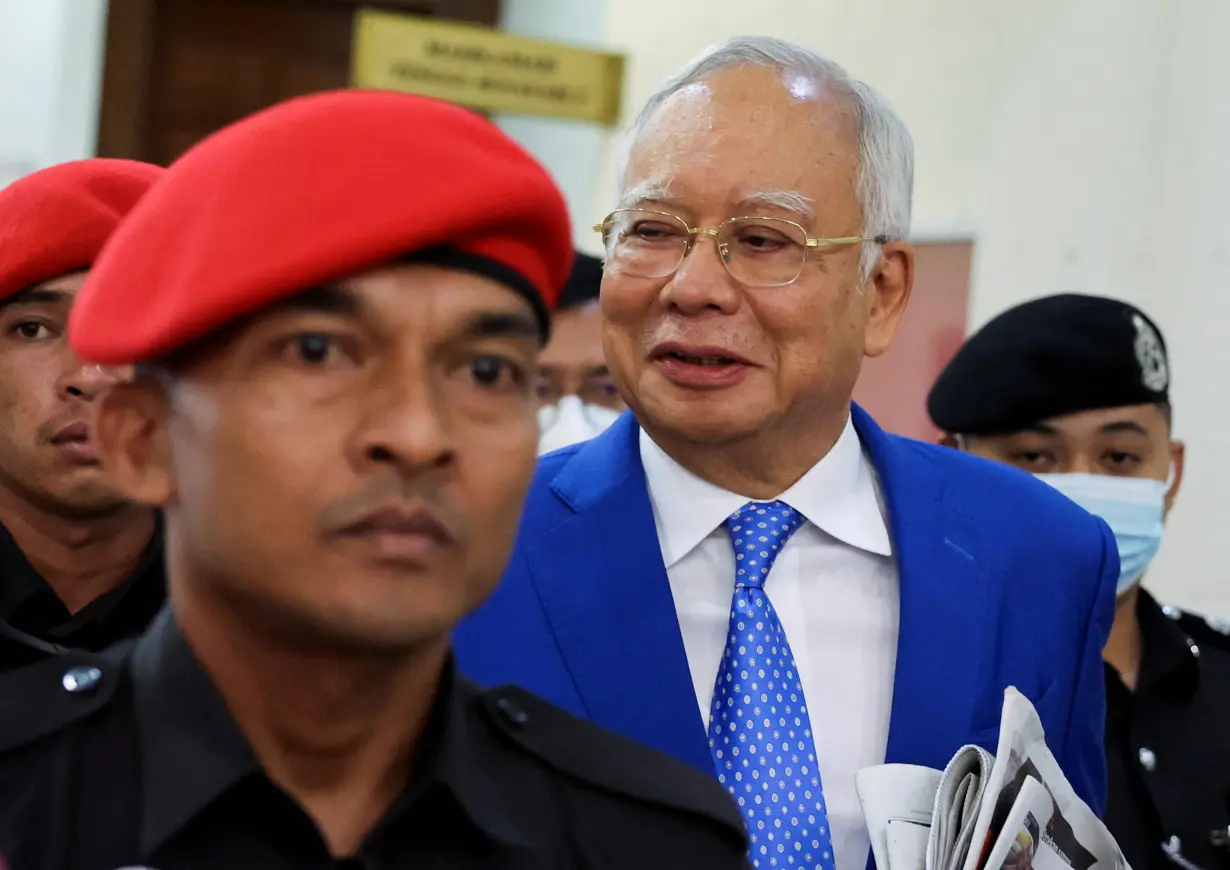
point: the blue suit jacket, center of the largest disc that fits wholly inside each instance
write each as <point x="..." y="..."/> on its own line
<point x="1003" y="582"/>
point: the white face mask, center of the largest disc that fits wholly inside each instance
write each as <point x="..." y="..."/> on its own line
<point x="571" y="421"/>
<point x="1132" y="507"/>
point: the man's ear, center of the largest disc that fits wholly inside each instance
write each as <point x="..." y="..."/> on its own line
<point x="888" y="290"/>
<point x="130" y="426"/>
<point x="1178" y="453"/>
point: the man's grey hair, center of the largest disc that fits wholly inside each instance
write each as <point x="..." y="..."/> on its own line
<point x="886" y="151"/>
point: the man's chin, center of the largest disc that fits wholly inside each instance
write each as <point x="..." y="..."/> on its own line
<point x="88" y="498"/>
<point x="714" y="425"/>
<point x="356" y="632"/>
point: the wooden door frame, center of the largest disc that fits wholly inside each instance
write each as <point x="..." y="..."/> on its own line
<point x="128" y="62"/>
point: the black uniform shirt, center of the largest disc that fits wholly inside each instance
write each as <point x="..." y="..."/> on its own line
<point x="1168" y="745"/>
<point x="34" y="621"/>
<point x="130" y="758"/>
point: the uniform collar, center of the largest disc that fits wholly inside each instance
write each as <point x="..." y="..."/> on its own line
<point x="1170" y="662"/>
<point x="117" y="614"/>
<point x="19" y="582"/>
<point x="193" y="753"/>
<point x="839" y="495"/>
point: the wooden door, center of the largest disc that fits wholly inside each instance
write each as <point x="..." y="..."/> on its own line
<point x="177" y="70"/>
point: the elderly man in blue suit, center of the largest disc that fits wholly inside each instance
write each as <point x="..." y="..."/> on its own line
<point x="745" y="571"/>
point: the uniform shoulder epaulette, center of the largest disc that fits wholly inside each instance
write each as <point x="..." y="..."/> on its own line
<point x="41" y="698"/>
<point x="1205" y="631"/>
<point x="605" y="760"/>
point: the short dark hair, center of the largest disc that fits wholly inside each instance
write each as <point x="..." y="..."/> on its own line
<point x="151" y="371"/>
<point x="166" y="367"/>
<point x="583" y="283"/>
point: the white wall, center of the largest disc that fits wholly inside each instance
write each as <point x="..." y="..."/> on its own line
<point x="1081" y="143"/>
<point x="50" y="82"/>
<point x="1183" y="274"/>
<point x="571" y="150"/>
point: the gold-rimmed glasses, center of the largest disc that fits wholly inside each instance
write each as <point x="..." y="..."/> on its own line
<point x="757" y="251"/>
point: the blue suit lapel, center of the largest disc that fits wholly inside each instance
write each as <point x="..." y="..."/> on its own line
<point x="604" y="589"/>
<point x="946" y="607"/>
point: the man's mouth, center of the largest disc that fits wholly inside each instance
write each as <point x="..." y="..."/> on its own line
<point x="698" y="355"/>
<point x="703" y="360"/>
<point x="74" y="432"/>
<point x="700" y="367"/>
<point x="400" y="533"/>
<point x="74" y="443"/>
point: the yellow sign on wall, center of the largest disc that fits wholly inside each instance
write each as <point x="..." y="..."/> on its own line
<point x="483" y="68"/>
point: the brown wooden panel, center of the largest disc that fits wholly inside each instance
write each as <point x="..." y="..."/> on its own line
<point x="177" y="70"/>
<point x="127" y="70"/>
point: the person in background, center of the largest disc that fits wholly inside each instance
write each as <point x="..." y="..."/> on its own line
<point x="1075" y="389"/>
<point x="745" y="517"/>
<point x="334" y="407"/>
<point x="80" y="565"/>
<point x="579" y="399"/>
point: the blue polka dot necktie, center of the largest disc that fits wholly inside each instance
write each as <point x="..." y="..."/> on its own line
<point x="759" y="728"/>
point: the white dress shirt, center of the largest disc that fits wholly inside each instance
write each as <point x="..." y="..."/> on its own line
<point x="834" y="586"/>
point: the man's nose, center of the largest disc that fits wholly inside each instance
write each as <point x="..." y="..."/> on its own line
<point x="1081" y="465"/>
<point x="405" y="426"/>
<point x="87" y="381"/>
<point x="702" y="282"/>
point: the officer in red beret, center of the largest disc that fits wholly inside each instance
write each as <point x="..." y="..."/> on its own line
<point x="80" y="565"/>
<point x="335" y="309"/>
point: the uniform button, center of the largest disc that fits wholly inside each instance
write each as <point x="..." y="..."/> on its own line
<point x="82" y="679"/>
<point x="1147" y="759"/>
<point x="512" y="714"/>
<point x="1191" y="644"/>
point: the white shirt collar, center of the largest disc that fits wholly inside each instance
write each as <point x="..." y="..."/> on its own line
<point x="839" y="495"/>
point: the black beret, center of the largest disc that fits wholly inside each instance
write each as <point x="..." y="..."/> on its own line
<point x="583" y="283"/>
<point x="1052" y="356"/>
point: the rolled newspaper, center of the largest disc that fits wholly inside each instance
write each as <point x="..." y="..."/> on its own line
<point x="1014" y="810"/>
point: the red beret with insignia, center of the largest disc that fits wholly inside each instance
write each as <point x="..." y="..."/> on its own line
<point x="311" y="191"/>
<point x="55" y="221"/>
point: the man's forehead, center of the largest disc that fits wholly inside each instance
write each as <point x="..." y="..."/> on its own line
<point x="57" y="291"/>
<point x="751" y="94"/>
<point x="1122" y="419"/>
<point x="413" y="284"/>
<point x="730" y="144"/>
<point x="576" y="337"/>
<point x="418" y="297"/>
<point x="735" y="193"/>
<point x="70" y="283"/>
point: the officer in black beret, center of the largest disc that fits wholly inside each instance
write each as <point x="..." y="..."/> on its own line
<point x="579" y="398"/>
<point x="1075" y="389"/>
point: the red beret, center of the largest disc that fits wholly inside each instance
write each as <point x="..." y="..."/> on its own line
<point x="310" y="191"/>
<point x="56" y="220"/>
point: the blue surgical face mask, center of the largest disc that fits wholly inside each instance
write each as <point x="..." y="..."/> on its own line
<point x="1131" y="506"/>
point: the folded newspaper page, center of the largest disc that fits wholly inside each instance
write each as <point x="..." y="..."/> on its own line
<point x="1011" y="811"/>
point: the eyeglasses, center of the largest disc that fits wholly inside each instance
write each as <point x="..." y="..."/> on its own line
<point x="757" y="252"/>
